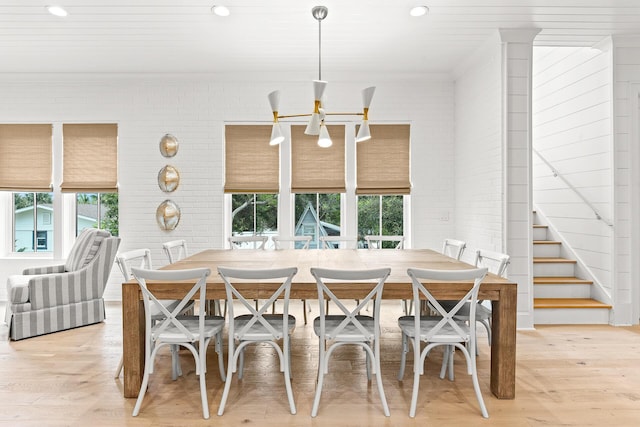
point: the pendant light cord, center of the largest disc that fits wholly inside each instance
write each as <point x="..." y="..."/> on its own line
<point x="319" y="49"/>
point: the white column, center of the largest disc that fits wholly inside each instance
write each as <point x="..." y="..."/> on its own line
<point x="517" y="52"/>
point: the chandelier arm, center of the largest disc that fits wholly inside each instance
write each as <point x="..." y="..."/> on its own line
<point x="294" y="115"/>
<point x="344" y="114"/>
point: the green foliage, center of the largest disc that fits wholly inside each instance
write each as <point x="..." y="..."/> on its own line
<point x="24" y="200"/>
<point x="369" y="217"/>
<point x="109" y="202"/>
<point x="265" y="217"/>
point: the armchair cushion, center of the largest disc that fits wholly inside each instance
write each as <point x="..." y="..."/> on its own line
<point x="85" y="248"/>
<point x="18" y="289"/>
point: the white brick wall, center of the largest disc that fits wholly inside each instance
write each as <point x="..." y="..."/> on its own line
<point x="572" y="118"/>
<point x="194" y="108"/>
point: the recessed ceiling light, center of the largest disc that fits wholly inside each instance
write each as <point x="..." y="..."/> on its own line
<point x="220" y="10"/>
<point x="57" y="11"/>
<point x="419" y="11"/>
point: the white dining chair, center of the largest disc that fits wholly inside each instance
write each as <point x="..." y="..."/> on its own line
<point x="453" y="248"/>
<point x="142" y="259"/>
<point x="293" y="242"/>
<point x="191" y="332"/>
<point x="258" y="326"/>
<point x="349" y="327"/>
<point x="248" y="242"/>
<point x="496" y="263"/>
<point x="441" y="330"/>
<point x="175" y="250"/>
<point x="377" y="242"/>
<point x="338" y="242"/>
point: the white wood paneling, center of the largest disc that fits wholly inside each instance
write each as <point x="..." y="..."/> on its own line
<point x="572" y="116"/>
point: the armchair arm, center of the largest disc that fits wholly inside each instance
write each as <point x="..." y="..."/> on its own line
<point x="49" y="269"/>
<point x="56" y="289"/>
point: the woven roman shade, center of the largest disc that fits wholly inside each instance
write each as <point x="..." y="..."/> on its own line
<point x="383" y="165"/>
<point x="251" y="164"/>
<point x="90" y="158"/>
<point x="25" y="157"/>
<point x="315" y="169"/>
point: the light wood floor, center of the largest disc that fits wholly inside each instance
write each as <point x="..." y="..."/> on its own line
<point x="566" y="375"/>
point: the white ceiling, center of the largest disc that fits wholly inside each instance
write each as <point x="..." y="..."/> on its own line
<point x="281" y="35"/>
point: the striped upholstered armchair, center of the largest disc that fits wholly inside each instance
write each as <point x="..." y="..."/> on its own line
<point x="54" y="298"/>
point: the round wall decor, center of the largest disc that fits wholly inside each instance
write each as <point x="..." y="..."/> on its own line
<point x="168" y="215"/>
<point x="169" y="145"/>
<point x="168" y="179"/>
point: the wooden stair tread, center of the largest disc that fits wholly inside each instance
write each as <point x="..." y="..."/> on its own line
<point x="546" y="242"/>
<point x="556" y="280"/>
<point x="540" y="226"/>
<point x="554" y="260"/>
<point x="568" y="303"/>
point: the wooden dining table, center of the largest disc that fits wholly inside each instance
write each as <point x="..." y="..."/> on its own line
<point x="500" y="291"/>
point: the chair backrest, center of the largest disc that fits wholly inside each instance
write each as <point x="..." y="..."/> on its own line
<point x="237" y="283"/>
<point x="140" y="258"/>
<point x="453" y="248"/>
<point x="447" y="327"/>
<point x="85" y="248"/>
<point x="294" y="242"/>
<point x="175" y="250"/>
<point x="338" y="242"/>
<point x="375" y="276"/>
<point x="170" y="318"/>
<point x="248" y="242"/>
<point x="495" y="262"/>
<point x="377" y="242"/>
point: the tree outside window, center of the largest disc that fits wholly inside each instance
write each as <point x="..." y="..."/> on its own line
<point x="380" y="216"/>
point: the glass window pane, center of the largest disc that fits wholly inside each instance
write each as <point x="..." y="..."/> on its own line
<point x="33" y="222"/>
<point x="317" y="215"/>
<point x="254" y="213"/>
<point x="109" y="213"/>
<point x="23" y="222"/>
<point x="380" y="215"/>
<point x="86" y="211"/>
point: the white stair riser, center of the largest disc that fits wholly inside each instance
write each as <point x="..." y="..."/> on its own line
<point x="571" y="316"/>
<point x="539" y="233"/>
<point x="562" y="291"/>
<point x="553" y="269"/>
<point x="546" y="250"/>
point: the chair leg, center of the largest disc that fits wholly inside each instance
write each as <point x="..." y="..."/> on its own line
<point x="203" y="386"/>
<point x="321" y="371"/>
<point x="227" y="386"/>
<point x="368" y="363"/>
<point x="120" y="366"/>
<point x="143" y="387"/>
<point x="304" y="310"/>
<point x="383" y="398"/>
<point x="403" y="357"/>
<point x="220" y="356"/>
<point x="287" y="374"/>
<point x="416" y="383"/>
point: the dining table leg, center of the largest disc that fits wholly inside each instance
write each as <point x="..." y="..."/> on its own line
<point x="133" y="331"/>
<point x="503" y="344"/>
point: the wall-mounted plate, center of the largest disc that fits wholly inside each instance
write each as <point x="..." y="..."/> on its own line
<point x="168" y="215"/>
<point x="169" y="145"/>
<point x="168" y="179"/>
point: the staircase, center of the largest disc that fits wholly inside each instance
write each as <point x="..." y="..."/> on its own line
<point x="559" y="297"/>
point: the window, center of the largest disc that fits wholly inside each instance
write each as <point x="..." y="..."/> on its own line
<point x="31" y="233"/>
<point x="254" y="213"/>
<point x="381" y="216"/>
<point x="316" y="215"/>
<point x="97" y="210"/>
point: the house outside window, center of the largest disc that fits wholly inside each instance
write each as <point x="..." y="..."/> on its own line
<point x="317" y="214"/>
<point x="33" y="222"/>
<point x="97" y="210"/>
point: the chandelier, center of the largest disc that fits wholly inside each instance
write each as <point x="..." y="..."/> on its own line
<point x="316" y="124"/>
